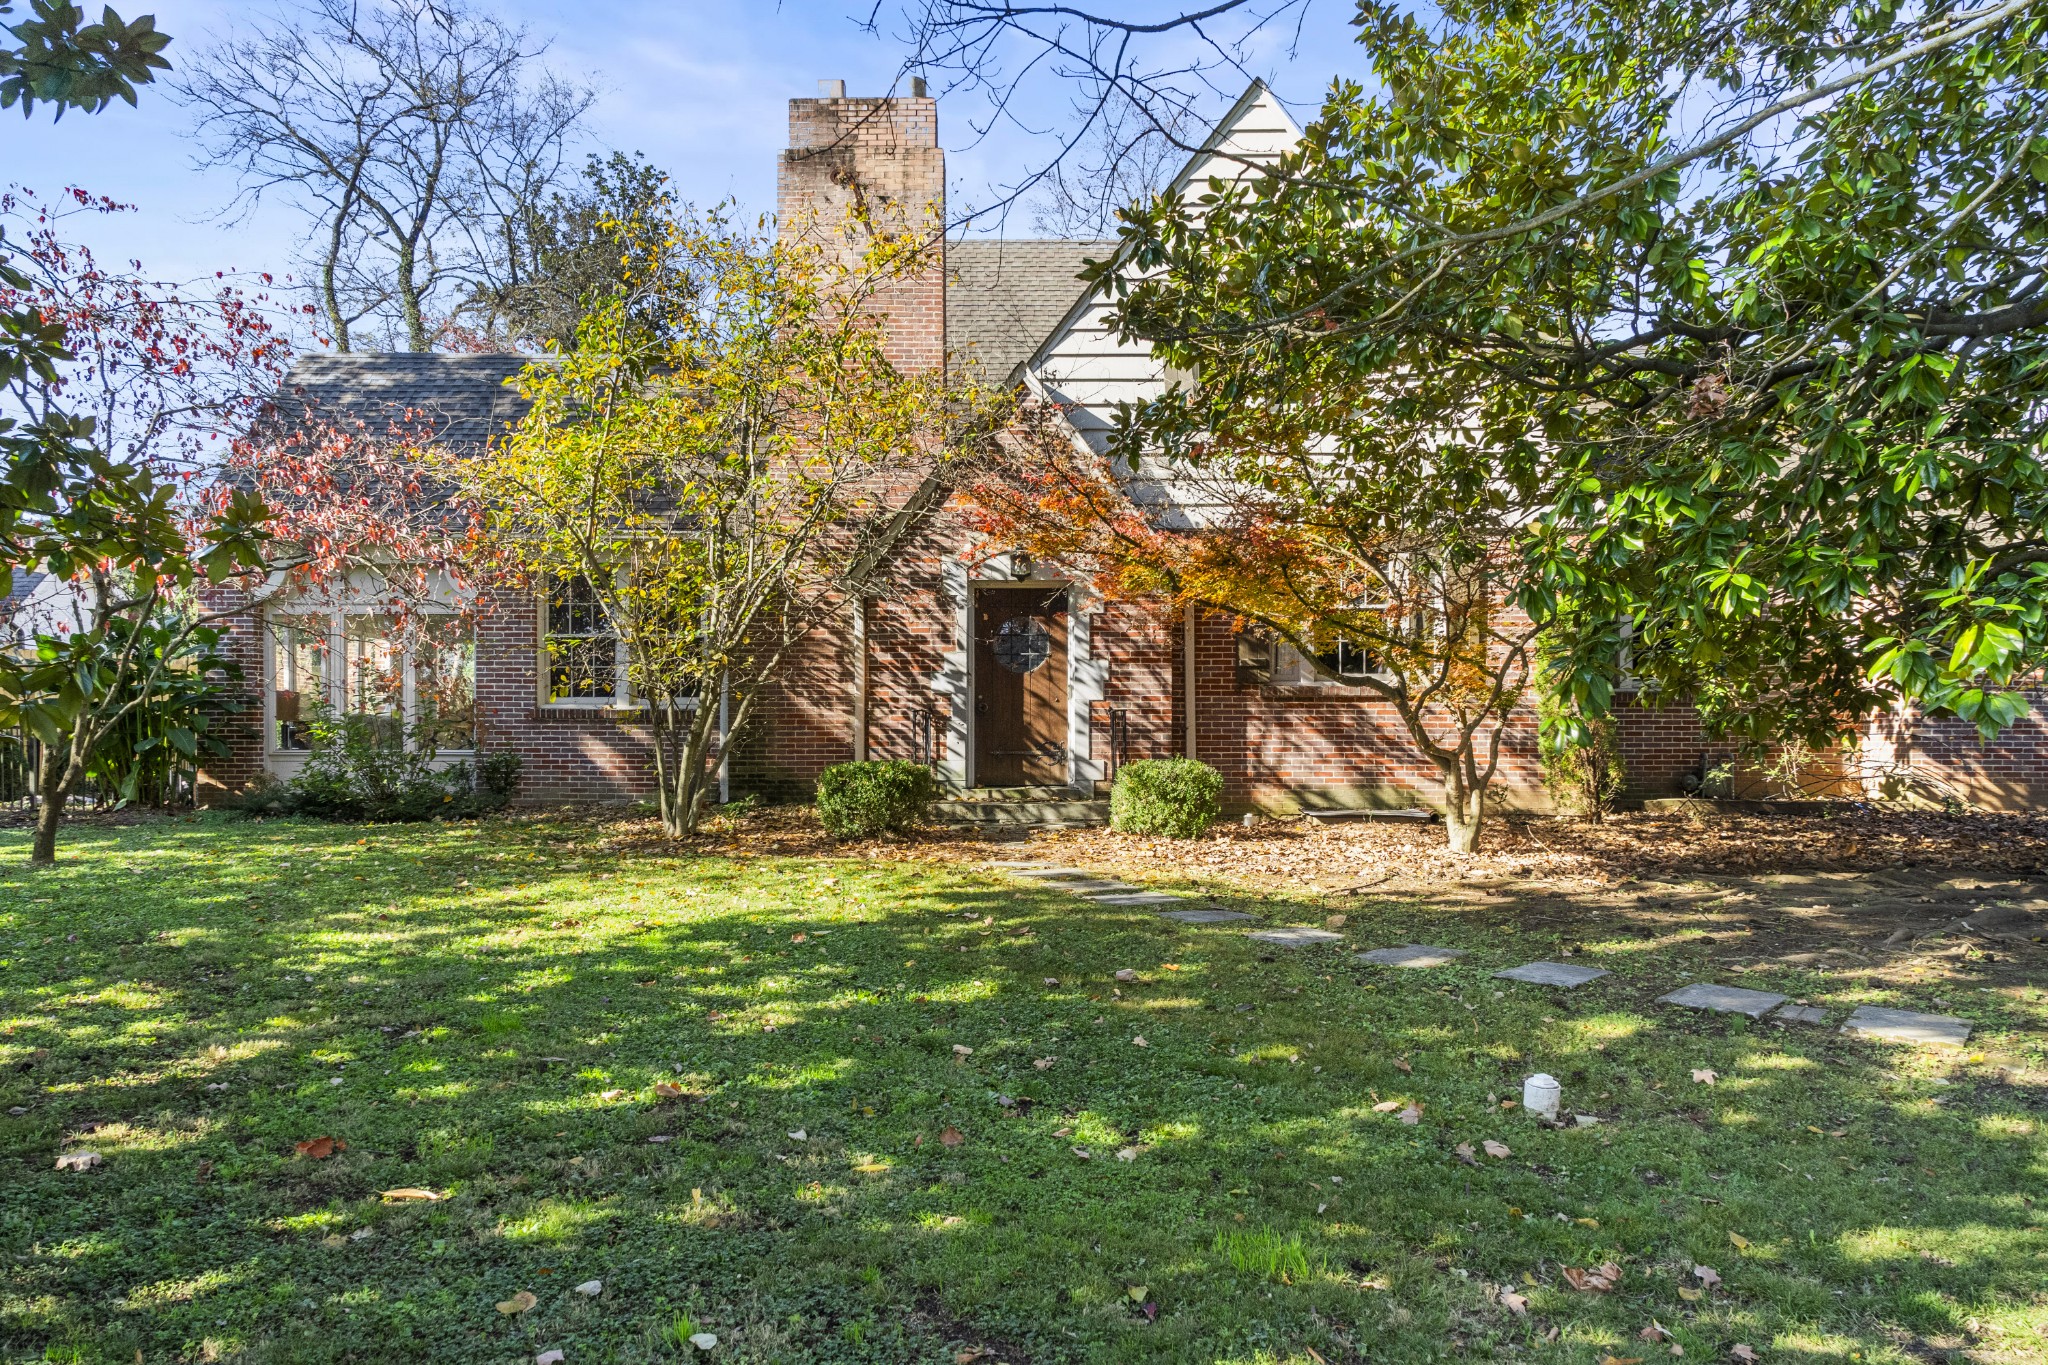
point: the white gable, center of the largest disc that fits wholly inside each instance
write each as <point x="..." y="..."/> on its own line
<point x="1082" y="363"/>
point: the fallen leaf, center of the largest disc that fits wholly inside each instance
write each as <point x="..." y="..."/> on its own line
<point x="1412" y="1115"/>
<point x="1313" y="1352"/>
<point x="667" y="1090"/>
<point x="1621" y="1360"/>
<point x="1334" y="922"/>
<point x="554" y="1357"/>
<point x="1703" y="1076"/>
<point x="949" y="1136"/>
<point x="704" y="1341"/>
<point x="1136" y="1291"/>
<point x="799" y="1135"/>
<point x="320" y="1148"/>
<point x="78" y="1161"/>
<point x="1706" y="1275"/>
<point x="1514" y="1303"/>
<point x="612" y="1095"/>
<point x="1654" y="1332"/>
<point x="1386" y="1106"/>
<point x="1043" y="1063"/>
<point x="1127" y="1154"/>
<point x="1743" y="1351"/>
<point x="659" y="1138"/>
<point x="590" y="1289"/>
<point x="1595" y="1281"/>
<point x="1401" y="1065"/>
<point x="1690" y="1295"/>
<point x="1587" y="1222"/>
<point x="409" y="1194"/>
<point x="962" y="1050"/>
<point x="1052" y="981"/>
<point x="1741" y="1242"/>
<point x="968" y="1357"/>
<point x="1126" y="974"/>
<point x="1139" y="1042"/>
<point x="1464" y="1150"/>
<point x="518" y="1303"/>
<point x="1496" y="1150"/>
<point x="1083" y="1153"/>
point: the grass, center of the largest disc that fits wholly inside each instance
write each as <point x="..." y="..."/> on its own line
<point x="484" y="1012"/>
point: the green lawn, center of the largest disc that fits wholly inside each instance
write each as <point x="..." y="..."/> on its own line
<point x="192" y="999"/>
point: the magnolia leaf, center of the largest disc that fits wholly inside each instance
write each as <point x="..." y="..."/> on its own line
<point x="1496" y="1150"/>
<point x="518" y="1303"/>
<point x="79" y="1161"/>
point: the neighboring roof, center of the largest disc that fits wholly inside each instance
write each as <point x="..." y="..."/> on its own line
<point x="459" y="400"/>
<point x="1004" y="297"/>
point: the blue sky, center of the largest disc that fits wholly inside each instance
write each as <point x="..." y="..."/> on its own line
<point x="699" y="86"/>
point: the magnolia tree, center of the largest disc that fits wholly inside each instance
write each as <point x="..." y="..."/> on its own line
<point x="1386" y="565"/>
<point x="1748" y="304"/>
<point x="728" y="460"/>
<point x="114" y="424"/>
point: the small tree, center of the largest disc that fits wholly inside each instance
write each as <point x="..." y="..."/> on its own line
<point x="729" y="459"/>
<point x="119" y="417"/>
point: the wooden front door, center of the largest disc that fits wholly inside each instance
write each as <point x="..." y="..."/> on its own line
<point x="1020" y="687"/>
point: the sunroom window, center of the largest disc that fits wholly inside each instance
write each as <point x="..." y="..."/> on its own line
<point x="416" y="678"/>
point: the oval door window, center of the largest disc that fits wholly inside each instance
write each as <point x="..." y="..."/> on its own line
<point x="1021" y="644"/>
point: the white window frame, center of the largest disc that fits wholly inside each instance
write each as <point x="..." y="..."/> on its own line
<point x="335" y="685"/>
<point x="621" y="697"/>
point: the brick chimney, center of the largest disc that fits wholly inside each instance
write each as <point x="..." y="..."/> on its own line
<point x="881" y="154"/>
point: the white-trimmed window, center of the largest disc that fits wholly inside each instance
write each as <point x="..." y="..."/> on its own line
<point x="421" y="679"/>
<point x="583" y="661"/>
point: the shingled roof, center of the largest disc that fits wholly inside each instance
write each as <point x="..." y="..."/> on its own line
<point x="457" y="400"/>
<point x="1003" y="297"/>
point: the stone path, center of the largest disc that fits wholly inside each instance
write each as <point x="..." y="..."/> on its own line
<point x="1906" y="1026"/>
<point x="1296" y="938"/>
<point x="1868" y="1021"/>
<point x="1704" y="995"/>
<point x="1552" y="974"/>
<point x="1414" y="955"/>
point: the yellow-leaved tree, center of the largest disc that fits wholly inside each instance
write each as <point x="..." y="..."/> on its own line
<point x="725" y="461"/>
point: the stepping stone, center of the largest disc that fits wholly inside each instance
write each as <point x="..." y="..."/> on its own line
<point x="1907" y="1026"/>
<point x="1414" y="955"/>
<point x="1802" y="1014"/>
<point x="1096" y="888"/>
<point x="1296" y="938"/>
<point x="1205" y="916"/>
<point x="1552" y="974"/>
<point x="1704" y="995"/>
<point x="1012" y="864"/>
<point x="1137" y="897"/>
<point x="1052" y="873"/>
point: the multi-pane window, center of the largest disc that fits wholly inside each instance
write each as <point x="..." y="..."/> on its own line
<point x="420" y="677"/>
<point x="581" y="647"/>
<point x="1349" y="660"/>
<point x="301" y="655"/>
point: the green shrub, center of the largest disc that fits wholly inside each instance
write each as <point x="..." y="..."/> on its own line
<point x="859" y="799"/>
<point x="1179" y="797"/>
<point x="360" y="769"/>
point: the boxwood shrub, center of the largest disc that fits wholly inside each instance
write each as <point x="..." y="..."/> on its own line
<point x="1178" y="797"/>
<point x="859" y="799"/>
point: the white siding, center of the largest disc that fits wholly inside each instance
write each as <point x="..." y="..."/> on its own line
<point x="1083" y="364"/>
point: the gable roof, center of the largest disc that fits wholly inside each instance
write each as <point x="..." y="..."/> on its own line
<point x="459" y="400"/>
<point x="1004" y="296"/>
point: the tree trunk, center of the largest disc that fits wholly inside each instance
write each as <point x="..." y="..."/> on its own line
<point x="1464" y="801"/>
<point x="60" y="773"/>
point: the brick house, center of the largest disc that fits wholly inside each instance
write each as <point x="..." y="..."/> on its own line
<point x="999" y="672"/>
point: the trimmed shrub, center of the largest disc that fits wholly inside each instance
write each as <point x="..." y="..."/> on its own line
<point x="359" y="770"/>
<point x="859" y="799"/>
<point x="1178" y="797"/>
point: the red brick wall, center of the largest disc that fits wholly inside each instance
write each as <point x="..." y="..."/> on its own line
<point x="223" y="778"/>
<point x="1279" y="747"/>
<point x="1140" y="646"/>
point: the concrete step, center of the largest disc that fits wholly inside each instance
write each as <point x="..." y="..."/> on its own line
<point x="1015" y="794"/>
<point x="1015" y="812"/>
